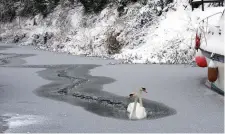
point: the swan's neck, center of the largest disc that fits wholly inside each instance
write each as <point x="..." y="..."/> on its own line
<point x="140" y="99"/>
<point x="135" y="105"/>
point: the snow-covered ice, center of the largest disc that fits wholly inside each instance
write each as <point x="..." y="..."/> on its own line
<point x="16" y="120"/>
<point x="177" y="86"/>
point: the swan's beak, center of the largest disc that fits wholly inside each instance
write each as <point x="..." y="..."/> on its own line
<point x="145" y="91"/>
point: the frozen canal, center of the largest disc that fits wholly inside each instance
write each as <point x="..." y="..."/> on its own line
<point x="49" y="92"/>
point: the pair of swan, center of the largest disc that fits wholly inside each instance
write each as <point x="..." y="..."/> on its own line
<point x="135" y="109"/>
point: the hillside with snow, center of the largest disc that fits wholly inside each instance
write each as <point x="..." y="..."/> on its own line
<point x="140" y="31"/>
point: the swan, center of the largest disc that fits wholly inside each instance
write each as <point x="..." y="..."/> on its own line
<point x="131" y="105"/>
<point x="135" y="109"/>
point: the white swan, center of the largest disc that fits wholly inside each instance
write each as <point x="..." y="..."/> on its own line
<point x="135" y="109"/>
<point x="131" y="105"/>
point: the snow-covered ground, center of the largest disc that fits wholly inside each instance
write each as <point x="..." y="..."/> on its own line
<point x="144" y="36"/>
<point x="198" y="109"/>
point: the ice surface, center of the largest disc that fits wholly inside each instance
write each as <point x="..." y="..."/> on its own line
<point x="180" y="87"/>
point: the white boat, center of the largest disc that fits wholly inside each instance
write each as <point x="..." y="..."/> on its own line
<point x="211" y="34"/>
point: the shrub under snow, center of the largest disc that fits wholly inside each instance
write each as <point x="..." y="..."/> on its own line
<point x="137" y="32"/>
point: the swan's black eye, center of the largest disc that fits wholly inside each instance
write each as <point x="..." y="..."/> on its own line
<point x="144" y="90"/>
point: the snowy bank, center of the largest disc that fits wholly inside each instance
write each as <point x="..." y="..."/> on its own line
<point x="140" y="33"/>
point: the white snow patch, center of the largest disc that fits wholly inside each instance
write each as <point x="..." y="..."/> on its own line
<point x="172" y="40"/>
<point x="172" y="34"/>
<point x="17" y="120"/>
